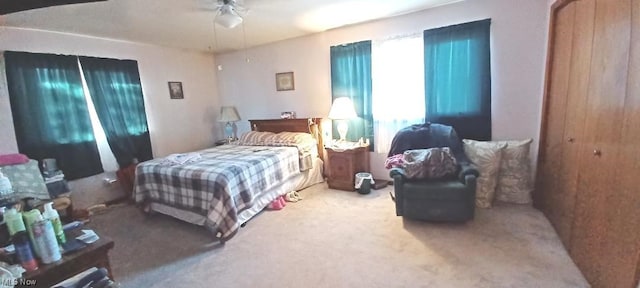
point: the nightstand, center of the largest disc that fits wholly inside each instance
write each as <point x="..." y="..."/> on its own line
<point x="343" y="164"/>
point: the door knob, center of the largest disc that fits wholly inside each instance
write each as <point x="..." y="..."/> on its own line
<point x="597" y="152"/>
<point x="571" y="139"/>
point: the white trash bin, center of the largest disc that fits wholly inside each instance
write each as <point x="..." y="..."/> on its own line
<point x="363" y="182"/>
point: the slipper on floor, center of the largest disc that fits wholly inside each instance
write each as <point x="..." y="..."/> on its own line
<point x="276" y="204"/>
<point x="290" y="197"/>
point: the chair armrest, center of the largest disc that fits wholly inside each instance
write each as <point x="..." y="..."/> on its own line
<point x="397" y="172"/>
<point x="470" y="180"/>
<point x="467" y="169"/>
<point x="398" y="176"/>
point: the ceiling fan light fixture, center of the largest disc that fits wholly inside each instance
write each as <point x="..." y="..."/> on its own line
<point x="228" y="17"/>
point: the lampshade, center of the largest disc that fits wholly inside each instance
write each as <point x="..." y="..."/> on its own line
<point x="228" y="17"/>
<point x="228" y="114"/>
<point x="342" y="108"/>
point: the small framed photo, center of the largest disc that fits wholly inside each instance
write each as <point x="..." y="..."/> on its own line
<point x="284" y="81"/>
<point x="175" y="90"/>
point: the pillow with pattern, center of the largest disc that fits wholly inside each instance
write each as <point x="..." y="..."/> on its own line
<point x="254" y="138"/>
<point x="303" y="141"/>
<point x="514" y="178"/>
<point x="273" y="139"/>
<point x="486" y="156"/>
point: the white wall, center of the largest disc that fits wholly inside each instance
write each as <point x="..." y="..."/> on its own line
<point x="175" y="125"/>
<point x="518" y="46"/>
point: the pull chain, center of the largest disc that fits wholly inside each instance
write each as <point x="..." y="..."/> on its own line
<point x="244" y="43"/>
<point x="215" y="35"/>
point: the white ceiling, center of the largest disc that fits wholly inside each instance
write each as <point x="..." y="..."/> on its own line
<point x="189" y="23"/>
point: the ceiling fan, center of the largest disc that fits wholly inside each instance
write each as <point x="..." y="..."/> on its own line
<point x="228" y="13"/>
<point x="11" y="6"/>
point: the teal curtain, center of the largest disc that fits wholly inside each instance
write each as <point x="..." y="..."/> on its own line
<point x="351" y="77"/>
<point x="458" y="78"/>
<point x="116" y="92"/>
<point x="50" y="112"/>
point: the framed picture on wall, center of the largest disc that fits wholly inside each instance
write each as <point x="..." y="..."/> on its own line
<point x="175" y="90"/>
<point x="284" y="81"/>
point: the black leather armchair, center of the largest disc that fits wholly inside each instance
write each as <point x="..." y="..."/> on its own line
<point x="446" y="200"/>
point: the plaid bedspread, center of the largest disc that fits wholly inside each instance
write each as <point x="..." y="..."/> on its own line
<point x="222" y="183"/>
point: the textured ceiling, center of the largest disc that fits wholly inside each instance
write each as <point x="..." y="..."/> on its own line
<point x="189" y="23"/>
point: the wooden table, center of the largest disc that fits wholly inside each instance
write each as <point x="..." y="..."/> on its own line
<point x="94" y="255"/>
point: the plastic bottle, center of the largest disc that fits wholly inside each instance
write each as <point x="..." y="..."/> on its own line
<point x="45" y="241"/>
<point x="13" y="218"/>
<point x="52" y="215"/>
<point x="5" y="185"/>
<point x="31" y="217"/>
<point x="23" y="251"/>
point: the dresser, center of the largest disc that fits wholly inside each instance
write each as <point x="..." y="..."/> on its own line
<point x="343" y="164"/>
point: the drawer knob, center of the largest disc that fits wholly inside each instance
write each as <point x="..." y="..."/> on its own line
<point x="597" y="152"/>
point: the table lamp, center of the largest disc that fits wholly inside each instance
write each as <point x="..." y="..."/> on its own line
<point x="342" y="110"/>
<point x="228" y="114"/>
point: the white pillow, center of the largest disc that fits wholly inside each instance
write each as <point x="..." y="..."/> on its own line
<point x="514" y="179"/>
<point x="486" y="156"/>
<point x="255" y="137"/>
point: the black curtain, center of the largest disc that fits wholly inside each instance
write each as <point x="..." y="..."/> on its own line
<point x="50" y="112"/>
<point x="116" y="92"/>
<point x="457" y="63"/>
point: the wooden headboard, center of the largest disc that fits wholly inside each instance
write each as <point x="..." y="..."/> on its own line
<point x="305" y="125"/>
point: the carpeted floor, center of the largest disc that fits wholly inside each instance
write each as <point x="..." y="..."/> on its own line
<point x="341" y="239"/>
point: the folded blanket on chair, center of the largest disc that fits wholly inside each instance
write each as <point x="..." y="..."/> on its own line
<point x="433" y="163"/>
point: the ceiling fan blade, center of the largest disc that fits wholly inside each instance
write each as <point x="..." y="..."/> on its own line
<point x="11" y="6"/>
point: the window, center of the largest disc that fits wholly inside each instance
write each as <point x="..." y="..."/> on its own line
<point x="116" y="92"/>
<point x="398" y="89"/>
<point x="458" y="78"/>
<point x="57" y="113"/>
<point x="107" y="159"/>
<point x="50" y="113"/>
<point x="442" y="77"/>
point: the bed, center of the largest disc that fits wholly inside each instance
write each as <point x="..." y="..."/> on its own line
<point x="223" y="187"/>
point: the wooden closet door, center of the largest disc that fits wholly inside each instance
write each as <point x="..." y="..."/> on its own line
<point x="605" y="110"/>
<point x="573" y="139"/>
<point x="549" y="195"/>
<point x="623" y="216"/>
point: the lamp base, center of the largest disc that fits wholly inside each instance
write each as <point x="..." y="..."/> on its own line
<point x="343" y="127"/>
<point x="228" y="131"/>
